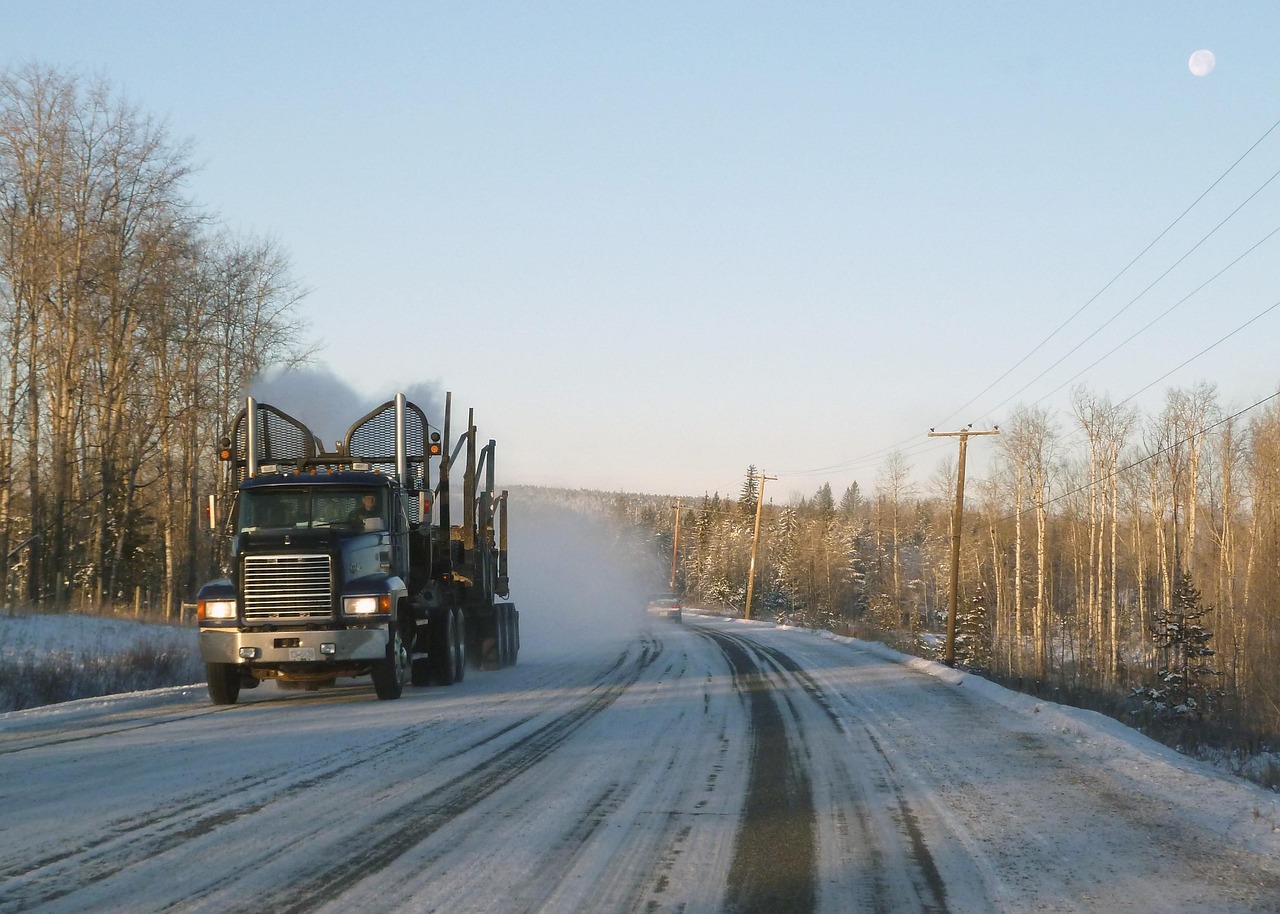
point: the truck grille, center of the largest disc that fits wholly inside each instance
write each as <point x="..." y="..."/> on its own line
<point x="287" y="587"/>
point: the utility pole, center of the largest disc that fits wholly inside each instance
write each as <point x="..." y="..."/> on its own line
<point x="755" y="539"/>
<point x="949" y="655"/>
<point x="675" y="549"/>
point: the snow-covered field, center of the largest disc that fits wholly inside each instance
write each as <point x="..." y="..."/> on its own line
<point x="46" y="658"/>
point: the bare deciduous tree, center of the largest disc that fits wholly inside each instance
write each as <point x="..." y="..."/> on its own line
<point x="122" y="349"/>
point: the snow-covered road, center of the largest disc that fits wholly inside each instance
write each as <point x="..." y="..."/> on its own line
<point x="714" y="766"/>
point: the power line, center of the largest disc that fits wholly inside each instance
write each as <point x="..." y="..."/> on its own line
<point x="1222" y="340"/>
<point x="1074" y="433"/>
<point x="909" y="447"/>
<point x="1152" y="456"/>
<point x="911" y="444"/>
<point x="1113" y="279"/>
<point x="1152" y="285"/>
<point x="1165" y="314"/>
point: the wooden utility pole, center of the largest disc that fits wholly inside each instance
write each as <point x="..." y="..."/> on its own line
<point x="675" y="549"/>
<point x="755" y="540"/>
<point x="949" y="654"/>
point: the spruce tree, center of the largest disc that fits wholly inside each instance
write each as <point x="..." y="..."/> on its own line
<point x="1186" y="676"/>
<point x="851" y="501"/>
<point x="973" y="634"/>
<point x="824" y="502"/>
<point x="750" y="492"/>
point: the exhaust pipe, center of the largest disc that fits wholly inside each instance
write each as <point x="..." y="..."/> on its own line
<point x="251" y="436"/>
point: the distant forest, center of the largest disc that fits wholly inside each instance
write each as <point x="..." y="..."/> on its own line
<point x="1110" y="559"/>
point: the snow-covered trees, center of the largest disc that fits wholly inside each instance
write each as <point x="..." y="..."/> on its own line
<point x="1071" y="556"/>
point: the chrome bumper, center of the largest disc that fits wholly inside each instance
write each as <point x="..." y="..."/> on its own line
<point x="224" y="645"/>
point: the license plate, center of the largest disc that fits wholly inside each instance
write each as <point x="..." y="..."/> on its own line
<point x="302" y="653"/>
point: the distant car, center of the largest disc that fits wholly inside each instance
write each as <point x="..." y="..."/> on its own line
<point x="666" y="605"/>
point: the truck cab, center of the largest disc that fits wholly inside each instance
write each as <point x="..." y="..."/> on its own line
<point x="317" y="585"/>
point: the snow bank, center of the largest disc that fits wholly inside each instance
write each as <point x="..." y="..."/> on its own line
<point x="50" y="658"/>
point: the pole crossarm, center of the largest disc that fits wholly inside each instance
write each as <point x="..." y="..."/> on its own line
<point x="949" y="653"/>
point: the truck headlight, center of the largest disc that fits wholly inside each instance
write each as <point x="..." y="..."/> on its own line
<point x="216" y="609"/>
<point x="366" y="606"/>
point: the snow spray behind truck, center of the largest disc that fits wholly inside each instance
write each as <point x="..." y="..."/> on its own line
<point x="336" y="568"/>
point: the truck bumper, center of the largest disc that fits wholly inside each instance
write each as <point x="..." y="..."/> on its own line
<point x="223" y="646"/>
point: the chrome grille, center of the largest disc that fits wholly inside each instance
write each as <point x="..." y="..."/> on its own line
<point x="287" y="587"/>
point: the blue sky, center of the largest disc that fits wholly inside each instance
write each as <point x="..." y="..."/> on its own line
<point x="654" y="243"/>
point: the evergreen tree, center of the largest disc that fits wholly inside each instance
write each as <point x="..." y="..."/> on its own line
<point x="973" y="633"/>
<point x="1185" y="675"/>
<point x="781" y="598"/>
<point x="851" y="501"/>
<point x="824" y="504"/>
<point x="750" y="492"/>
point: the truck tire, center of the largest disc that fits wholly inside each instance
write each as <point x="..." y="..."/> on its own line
<point x="444" y="641"/>
<point x="508" y="636"/>
<point x="507" y="630"/>
<point x="503" y="621"/>
<point x="492" y="639"/>
<point x="224" y="682"/>
<point x="458" y="650"/>
<point x="389" y="674"/>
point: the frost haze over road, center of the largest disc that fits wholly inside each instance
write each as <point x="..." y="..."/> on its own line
<point x="712" y="766"/>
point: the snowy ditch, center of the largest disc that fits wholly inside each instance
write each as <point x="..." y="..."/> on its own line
<point x="47" y="659"/>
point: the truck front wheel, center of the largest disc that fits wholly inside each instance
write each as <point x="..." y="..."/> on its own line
<point x="388" y="675"/>
<point x="224" y="682"/>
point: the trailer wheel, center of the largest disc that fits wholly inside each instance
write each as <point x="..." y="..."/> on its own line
<point x="493" y="640"/>
<point x="388" y="675"/>
<point x="502" y="622"/>
<point x="444" y="642"/>
<point x="224" y="682"/>
<point x="506" y="625"/>
<point x="458" y="650"/>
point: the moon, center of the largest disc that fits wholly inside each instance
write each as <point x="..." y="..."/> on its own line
<point x="1202" y="62"/>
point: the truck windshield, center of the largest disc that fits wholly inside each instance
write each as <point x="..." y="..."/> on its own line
<point x="353" y="509"/>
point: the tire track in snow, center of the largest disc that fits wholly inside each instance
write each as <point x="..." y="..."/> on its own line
<point x="20" y="743"/>
<point x="398" y="830"/>
<point x="60" y="872"/>
<point x="773" y="870"/>
<point x="895" y="874"/>
<point x="930" y="887"/>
